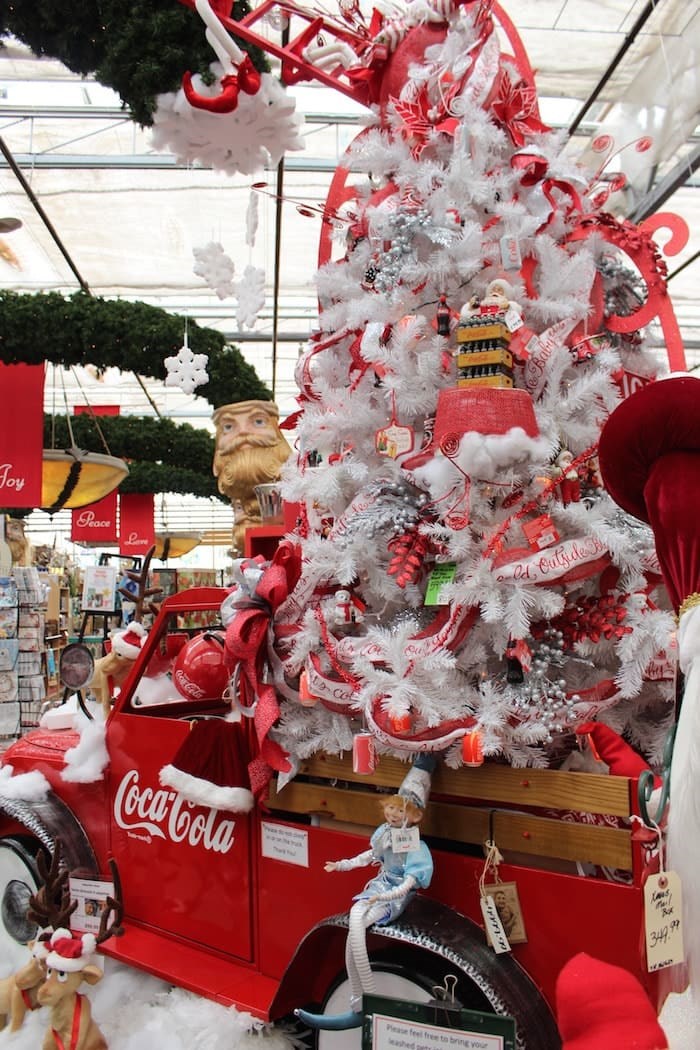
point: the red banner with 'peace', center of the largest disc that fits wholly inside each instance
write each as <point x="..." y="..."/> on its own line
<point x="21" y="434"/>
<point x="96" y="523"/>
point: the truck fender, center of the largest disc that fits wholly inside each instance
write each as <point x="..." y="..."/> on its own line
<point x="452" y="941"/>
<point x="48" y="819"/>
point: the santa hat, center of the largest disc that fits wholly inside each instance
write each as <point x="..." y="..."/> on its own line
<point x="69" y="951"/>
<point x="128" y="643"/>
<point x="210" y="768"/>
<point x="604" y="1007"/>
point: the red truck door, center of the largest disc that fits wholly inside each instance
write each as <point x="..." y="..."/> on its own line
<point x="185" y="869"/>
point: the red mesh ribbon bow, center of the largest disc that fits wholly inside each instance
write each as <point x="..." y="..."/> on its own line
<point x="246" y="650"/>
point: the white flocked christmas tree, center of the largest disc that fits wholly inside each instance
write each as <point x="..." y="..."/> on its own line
<point x="467" y="587"/>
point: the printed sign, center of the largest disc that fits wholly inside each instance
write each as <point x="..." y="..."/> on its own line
<point x="91" y="895"/>
<point x="397" y="1024"/>
<point x="99" y="589"/>
<point x="280" y="842"/>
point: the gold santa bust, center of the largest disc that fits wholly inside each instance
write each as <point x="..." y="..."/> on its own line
<point x="250" y="450"/>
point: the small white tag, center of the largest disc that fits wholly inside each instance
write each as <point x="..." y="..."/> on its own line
<point x="513" y="320"/>
<point x="495" y="934"/>
<point x="405" y="840"/>
<point x="662" y="920"/>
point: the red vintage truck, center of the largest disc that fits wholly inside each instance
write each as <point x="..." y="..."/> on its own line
<point x="238" y="907"/>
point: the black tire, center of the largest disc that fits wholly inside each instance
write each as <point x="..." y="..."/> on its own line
<point x="19" y="877"/>
<point x="426" y="945"/>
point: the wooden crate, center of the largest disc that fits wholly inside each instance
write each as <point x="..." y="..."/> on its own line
<point x="526" y="811"/>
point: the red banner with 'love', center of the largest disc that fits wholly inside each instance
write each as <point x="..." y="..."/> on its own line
<point x="136" y="529"/>
<point x="21" y="434"/>
<point x="96" y="523"/>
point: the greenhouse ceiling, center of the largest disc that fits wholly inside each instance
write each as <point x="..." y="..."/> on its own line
<point x="102" y="209"/>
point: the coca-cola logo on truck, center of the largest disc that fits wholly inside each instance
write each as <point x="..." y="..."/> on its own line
<point x="162" y="814"/>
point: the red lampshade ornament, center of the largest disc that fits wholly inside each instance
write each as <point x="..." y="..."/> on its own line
<point x="649" y="459"/>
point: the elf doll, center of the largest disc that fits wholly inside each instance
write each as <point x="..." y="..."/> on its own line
<point x="404" y="865"/>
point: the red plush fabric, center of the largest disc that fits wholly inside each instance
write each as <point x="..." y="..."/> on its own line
<point x="604" y="1007"/>
<point x="649" y="458"/>
<point x="672" y="496"/>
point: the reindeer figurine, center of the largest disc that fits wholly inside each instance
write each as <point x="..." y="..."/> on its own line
<point x="69" y="963"/>
<point x="50" y="907"/>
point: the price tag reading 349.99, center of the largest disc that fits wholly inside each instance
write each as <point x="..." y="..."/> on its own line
<point x="662" y="920"/>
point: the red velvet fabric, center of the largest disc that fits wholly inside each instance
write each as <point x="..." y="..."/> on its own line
<point x="649" y="458"/>
<point x="660" y="418"/>
<point x="672" y="496"/>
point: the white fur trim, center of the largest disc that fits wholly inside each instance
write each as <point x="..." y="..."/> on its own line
<point x="204" y="793"/>
<point x="127" y="649"/>
<point x="54" y="961"/>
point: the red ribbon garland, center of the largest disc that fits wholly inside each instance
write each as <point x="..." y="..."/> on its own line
<point x="246" y="647"/>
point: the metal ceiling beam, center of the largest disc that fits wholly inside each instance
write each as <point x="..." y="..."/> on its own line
<point x="36" y="204"/>
<point x="147" y="161"/>
<point x="626" y="44"/>
<point x="677" y="177"/>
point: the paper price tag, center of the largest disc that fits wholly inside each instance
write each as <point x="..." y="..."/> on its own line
<point x="513" y="320"/>
<point x="662" y="920"/>
<point x="405" y="840"/>
<point x="441" y="575"/>
<point x="495" y="934"/>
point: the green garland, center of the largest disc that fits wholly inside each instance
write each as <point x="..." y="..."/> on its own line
<point x="163" y="456"/>
<point x="138" y="49"/>
<point x="83" y="329"/>
<point x="153" y="448"/>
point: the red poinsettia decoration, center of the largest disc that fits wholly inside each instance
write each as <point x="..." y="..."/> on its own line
<point x="419" y="119"/>
<point x="514" y="108"/>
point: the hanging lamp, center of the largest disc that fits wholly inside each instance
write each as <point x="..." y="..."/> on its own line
<point x="72" y="477"/>
<point x="175" y="544"/>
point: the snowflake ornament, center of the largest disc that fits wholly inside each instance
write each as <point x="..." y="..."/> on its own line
<point x="186" y="370"/>
<point x="216" y="268"/>
<point x="251" y="296"/>
<point x="257" y="133"/>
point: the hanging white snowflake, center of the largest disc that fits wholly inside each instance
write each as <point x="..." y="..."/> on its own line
<point x="251" y="296"/>
<point x="186" y="370"/>
<point x="258" y="132"/>
<point x="216" y="268"/>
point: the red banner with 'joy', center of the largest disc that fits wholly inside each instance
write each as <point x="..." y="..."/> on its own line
<point x="21" y="434"/>
<point x="96" y="523"/>
<point x="136" y="529"/>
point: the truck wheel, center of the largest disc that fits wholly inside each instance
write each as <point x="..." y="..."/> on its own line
<point x="391" y="979"/>
<point x="409" y="973"/>
<point x="18" y="879"/>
